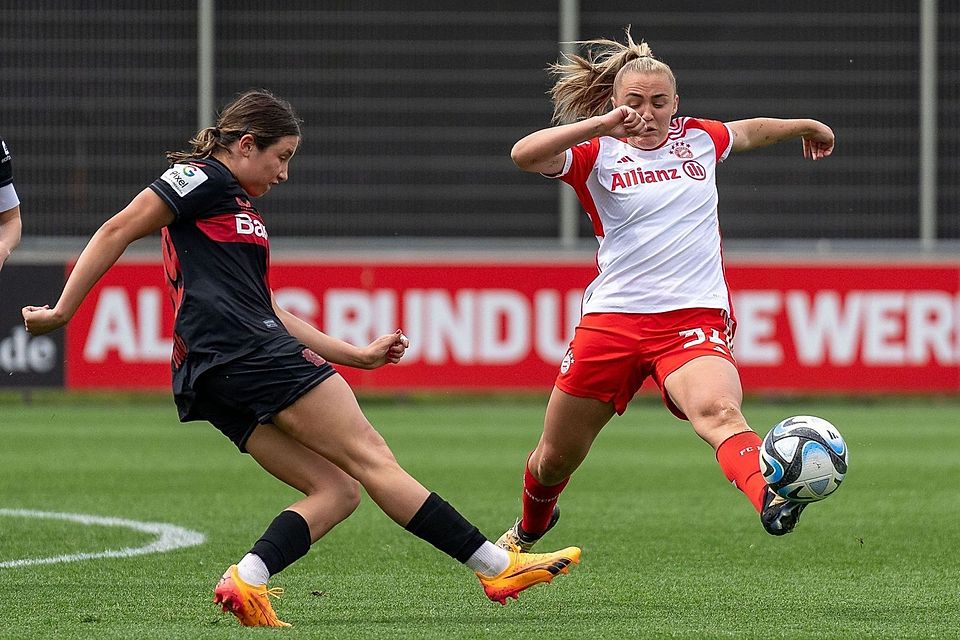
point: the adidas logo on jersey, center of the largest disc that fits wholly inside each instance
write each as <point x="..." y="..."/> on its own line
<point x="625" y="159"/>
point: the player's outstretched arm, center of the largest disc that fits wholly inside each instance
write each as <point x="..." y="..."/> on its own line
<point x="544" y="151"/>
<point x="749" y="134"/>
<point x="145" y="214"/>
<point x="388" y="348"/>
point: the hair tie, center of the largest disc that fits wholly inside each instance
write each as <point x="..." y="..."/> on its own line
<point x="216" y="132"/>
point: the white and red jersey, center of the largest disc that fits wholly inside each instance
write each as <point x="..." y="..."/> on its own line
<point x="654" y="213"/>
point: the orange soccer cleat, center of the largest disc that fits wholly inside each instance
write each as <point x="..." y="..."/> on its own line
<point x="250" y="603"/>
<point x="526" y="570"/>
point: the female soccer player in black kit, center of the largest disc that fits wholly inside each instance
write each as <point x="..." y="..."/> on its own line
<point x="263" y="376"/>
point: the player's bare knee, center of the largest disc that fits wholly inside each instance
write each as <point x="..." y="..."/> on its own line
<point x="717" y="419"/>
<point x="348" y="495"/>
<point x="717" y="411"/>
<point x="553" y="469"/>
<point x="344" y="489"/>
<point x="370" y="456"/>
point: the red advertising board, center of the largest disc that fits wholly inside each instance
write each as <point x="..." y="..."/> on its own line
<point x="842" y="327"/>
<point x="848" y="328"/>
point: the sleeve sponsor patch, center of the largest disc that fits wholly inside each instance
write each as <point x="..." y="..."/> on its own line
<point x="6" y="166"/>
<point x="184" y="178"/>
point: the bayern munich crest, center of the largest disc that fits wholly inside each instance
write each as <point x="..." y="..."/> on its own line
<point x="681" y="150"/>
<point x="567" y="361"/>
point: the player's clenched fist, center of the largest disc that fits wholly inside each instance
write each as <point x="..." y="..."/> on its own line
<point x="818" y="143"/>
<point x="622" y="122"/>
<point x="41" y="320"/>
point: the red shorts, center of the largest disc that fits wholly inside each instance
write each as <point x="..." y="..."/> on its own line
<point x="613" y="353"/>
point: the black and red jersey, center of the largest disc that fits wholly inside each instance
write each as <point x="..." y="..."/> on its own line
<point x="216" y="255"/>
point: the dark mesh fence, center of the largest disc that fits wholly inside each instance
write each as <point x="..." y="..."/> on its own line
<point x="854" y="69"/>
<point x="948" y="203"/>
<point x="90" y="99"/>
<point x="409" y="114"/>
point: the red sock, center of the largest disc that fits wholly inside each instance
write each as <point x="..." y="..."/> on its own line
<point x="538" y="502"/>
<point x="739" y="457"/>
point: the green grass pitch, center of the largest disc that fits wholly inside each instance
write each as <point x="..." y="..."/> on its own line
<point x="670" y="550"/>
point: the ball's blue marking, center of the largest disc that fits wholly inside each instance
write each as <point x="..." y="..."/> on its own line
<point x="812" y="448"/>
<point x="777" y="470"/>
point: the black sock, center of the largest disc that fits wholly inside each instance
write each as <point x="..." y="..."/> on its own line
<point x="442" y="526"/>
<point x="285" y="541"/>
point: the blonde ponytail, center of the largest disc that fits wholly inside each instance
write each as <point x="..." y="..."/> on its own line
<point x="585" y="85"/>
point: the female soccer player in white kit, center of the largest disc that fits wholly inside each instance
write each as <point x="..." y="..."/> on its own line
<point x="659" y="306"/>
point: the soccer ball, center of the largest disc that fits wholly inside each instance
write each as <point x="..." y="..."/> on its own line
<point x="803" y="458"/>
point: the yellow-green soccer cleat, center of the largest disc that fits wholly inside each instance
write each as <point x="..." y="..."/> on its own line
<point x="526" y="570"/>
<point x="250" y="603"/>
<point x="516" y="537"/>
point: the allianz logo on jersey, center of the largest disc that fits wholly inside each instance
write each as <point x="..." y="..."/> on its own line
<point x="637" y="176"/>
<point x="249" y="226"/>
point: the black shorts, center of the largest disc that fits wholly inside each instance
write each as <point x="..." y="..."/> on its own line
<point x="237" y="396"/>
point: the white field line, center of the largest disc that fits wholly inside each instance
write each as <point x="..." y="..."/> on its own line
<point x="169" y="537"/>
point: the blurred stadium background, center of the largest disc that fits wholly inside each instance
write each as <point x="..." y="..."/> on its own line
<point x="403" y="202"/>
<point x="409" y="115"/>
<point x="410" y="111"/>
